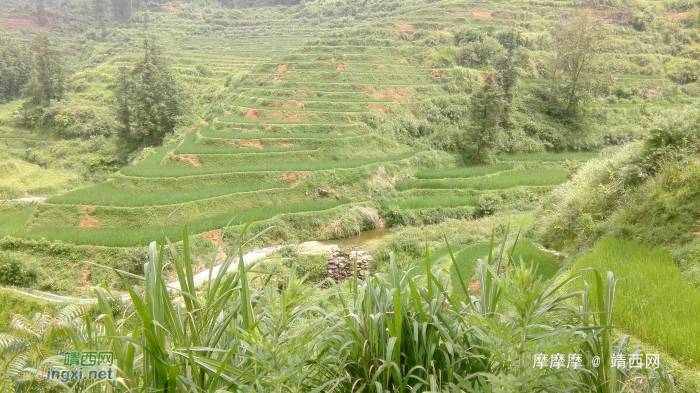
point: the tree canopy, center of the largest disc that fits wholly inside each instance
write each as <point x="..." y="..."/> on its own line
<point x="147" y="98"/>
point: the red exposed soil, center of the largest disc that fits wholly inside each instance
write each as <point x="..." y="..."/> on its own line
<point x="292" y="118"/>
<point x="482" y="14"/>
<point x="286" y="145"/>
<point x="396" y="95"/>
<point x="228" y="48"/>
<point x="88" y="221"/>
<point x="382" y="108"/>
<point x="367" y="89"/>
<point x="438" y="74"/>
<point x="483" y="76"/>
<point x="203" y="122"/>
<point x="345" y="57"/>
<point x="682" y="15"/>
<point x="288" y="104"/>
<point x="170" y="7"/>
<point x="648" y="93"/>
<point x="333" y="58"/>
<point x="195" y="128"/>
<point x="381" y="66"/>
<point x="192" y="159"/>
<point x="250" y="143"/>
<point x="294" y="66"/>
<point x="406" y="26"/>
<point x="341" y="67"/>
<point x="294" y="177"/>
<point x="28" y="22"/>
<point x="252" y="114"/>
<point x="474" y="286"/>
<point x="282" y="68"/>
<point x="213" y="236"/>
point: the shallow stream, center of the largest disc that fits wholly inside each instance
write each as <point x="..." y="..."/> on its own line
<point x="367" y="240"/>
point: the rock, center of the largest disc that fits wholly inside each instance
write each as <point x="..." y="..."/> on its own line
<point x="321" y="192"/>
<point x="377" y="192"/>
<point x="338" y="197"/>
<point x="341" y="266"/>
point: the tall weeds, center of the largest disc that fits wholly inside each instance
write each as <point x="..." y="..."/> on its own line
<point x="388" y="333"/>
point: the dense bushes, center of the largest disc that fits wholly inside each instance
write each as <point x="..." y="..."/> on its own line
<point x="17" y="273"/>
<point x="645" y="191"/>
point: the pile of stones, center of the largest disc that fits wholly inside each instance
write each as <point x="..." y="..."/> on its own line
<point x="341" y="266"/>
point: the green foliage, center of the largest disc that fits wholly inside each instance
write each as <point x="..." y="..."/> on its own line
<point x="148" y="99"/>
<point x="682" y="70"/>
<point x="485" y="114"/>
<point x="575" y="62"/>
<point x="15" y="67"/>
<point x="19" y="303"/>
<point x="46" y="83"/>
<point x="17" y="273"/>
<point x="641" y="191"/>
<point x="39" y="340"/>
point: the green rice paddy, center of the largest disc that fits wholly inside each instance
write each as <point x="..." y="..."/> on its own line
<point x="653" y="300"/>
<point x="463" y="172"/>
<point x="107" y="194"/>
<point x="523" y="177"/>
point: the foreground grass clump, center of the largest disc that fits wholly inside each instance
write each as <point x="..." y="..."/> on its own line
<point x="388" y="333"/>
<point x="655" y="302"/>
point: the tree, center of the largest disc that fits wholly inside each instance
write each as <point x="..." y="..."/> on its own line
<point x="577" y="45"/>
<point x="485" y="114"/>
<point x="41" y="13"/>
<point x="15" y="68"/>
<point x="47" y="78"/>
<point x="121" y="9"/>
<point x="507" y="74"/>
<point x="99" y="8"/>
<point x="46" y="81"/>
<point x="147" y="99"/>
<point x="122" y="100"/>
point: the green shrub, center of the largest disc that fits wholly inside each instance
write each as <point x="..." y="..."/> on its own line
<point x="17" y="273"/>
<point x="407" y="244"/>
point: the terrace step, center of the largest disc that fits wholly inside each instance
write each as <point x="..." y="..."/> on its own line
<point x="365" y="99"/>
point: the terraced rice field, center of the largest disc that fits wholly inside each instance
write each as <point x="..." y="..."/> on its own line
<point x="289" y="131"/>
<point x="462" y="191"/>
<point x="294" y="124"/>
